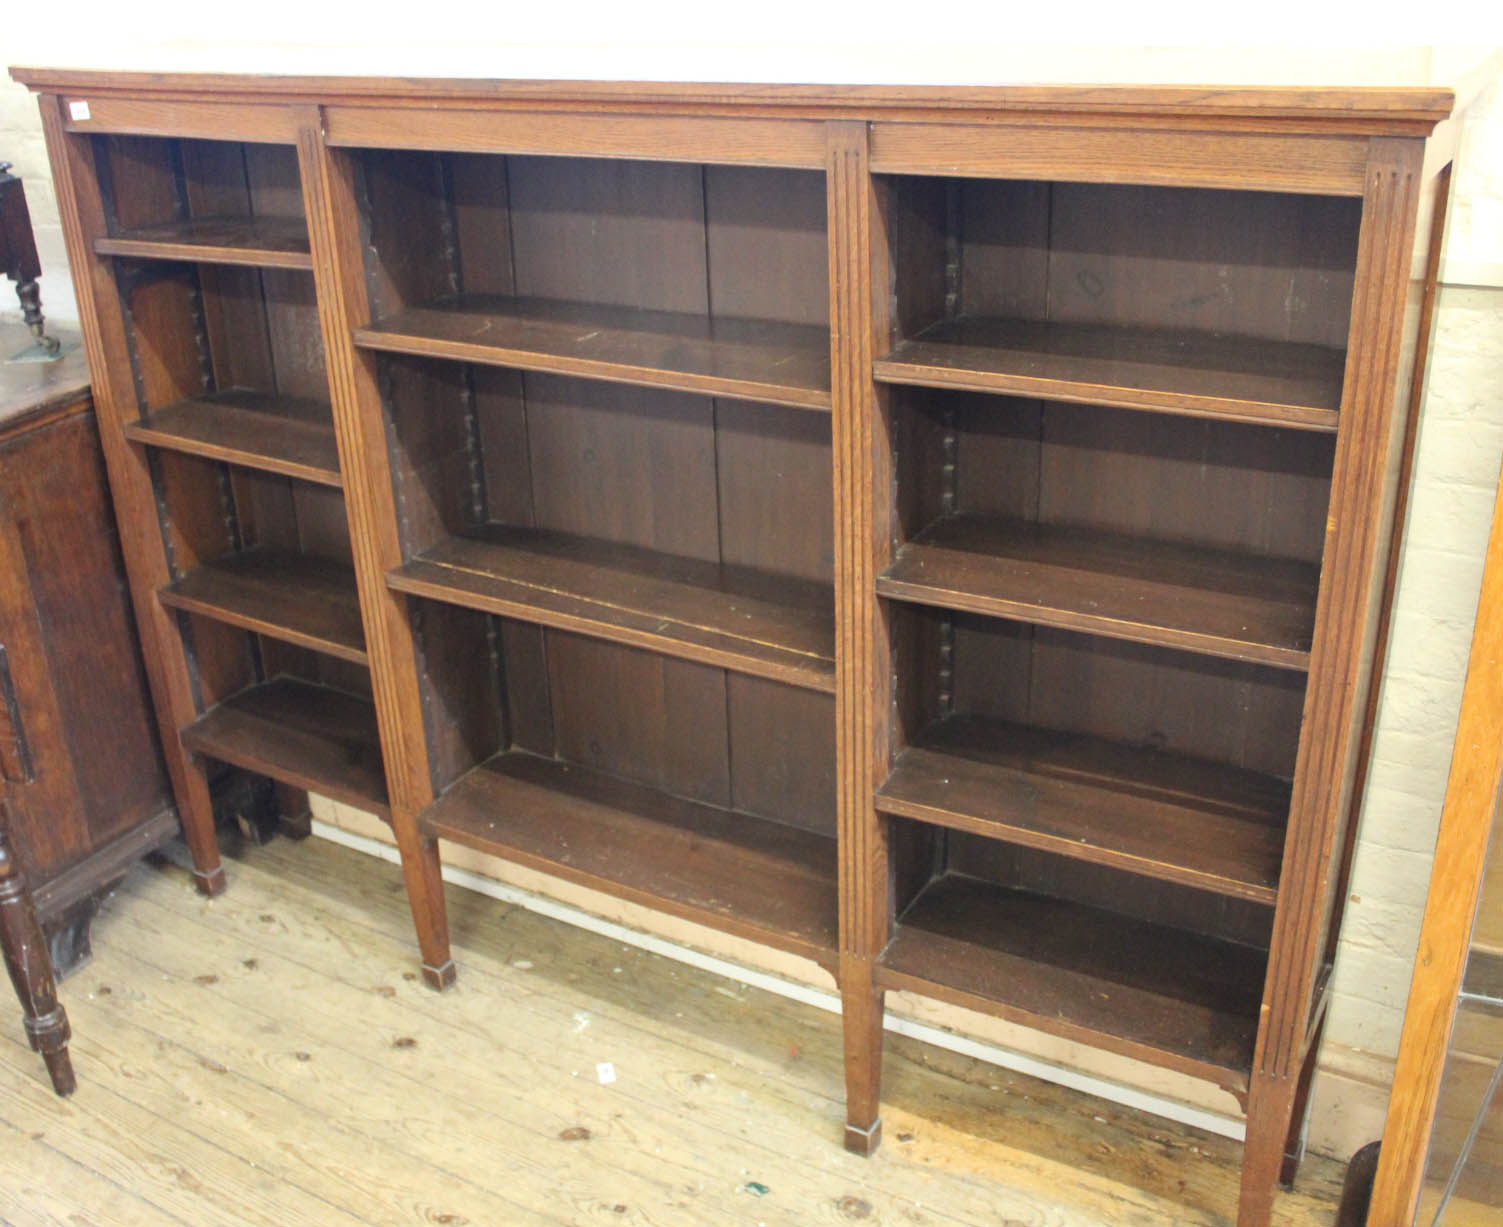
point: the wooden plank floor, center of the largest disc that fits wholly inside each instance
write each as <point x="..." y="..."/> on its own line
<point x="270" y="1057"/>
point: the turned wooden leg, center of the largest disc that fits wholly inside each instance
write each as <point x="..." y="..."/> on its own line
<point x="1294" y="1142"/>
<point x="1270" y="1106"/>
<point x="861" y="1014"/>
<point x="197" y="816"/>
<point x="30" y="969"/>
<point x="423" y="872"/>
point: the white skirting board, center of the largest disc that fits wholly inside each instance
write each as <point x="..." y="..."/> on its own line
<point x="1114" y="1092"/>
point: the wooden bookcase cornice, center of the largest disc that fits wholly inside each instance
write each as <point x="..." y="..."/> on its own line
<point x="1357" y="110"/>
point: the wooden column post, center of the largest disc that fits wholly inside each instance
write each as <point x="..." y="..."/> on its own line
<point x="863" y="537"/>
<point x="1346" y="624"/>
<point x="343" y="304"/>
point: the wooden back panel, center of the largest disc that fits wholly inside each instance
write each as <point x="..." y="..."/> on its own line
<point x="745" y="484"/>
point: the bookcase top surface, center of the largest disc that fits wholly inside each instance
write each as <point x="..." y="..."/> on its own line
<point x="1408" y="110"/>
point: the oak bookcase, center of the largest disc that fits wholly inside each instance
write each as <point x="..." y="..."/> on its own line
<point x="939" y="533"/>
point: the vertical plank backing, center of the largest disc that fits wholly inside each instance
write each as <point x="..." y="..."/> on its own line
<point x="1345" y="622"/>
<point x="766" y="238"/>
<point x="1257" y="264"/>
<point x="1002" y="230"/>
<point x="1224" y="484"/>
<point x="329" y="200"/>
<point x="501" y="466"/>
<point x="81" y="208"/>
<point x="261" y="329"/>
<point x="574" y="221"/>
<point x="625" y="233"/>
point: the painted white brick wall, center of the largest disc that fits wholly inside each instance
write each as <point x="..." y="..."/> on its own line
<point x="1460" y="445"/>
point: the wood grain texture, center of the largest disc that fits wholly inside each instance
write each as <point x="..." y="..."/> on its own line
<point x="1227" y="604"/>
<point x="1159" y="995"/>
<point x="83" y="762"/>
<point x="294" y="438"/>
<point x="309" y="736"/>
<point x="741" y="619"/>
<point x="75" y="178"/>
<point x="303" y="600"/>
<point x="760" y="142"/>
<point x="1330" y="164"/>
<point x="784" y="364"/>
<point x="1159" y="815"/>
<point x="31" y="394"/>
<point x="330" y="205"/>
<point x="1345" y="631"/>
<point x="260" y="242"/>
<point x="1403" y="480"/>
<point x="1361" y="109"/>
<point x="758" y="879"/>
<point x="439" y="438"/>
<point x="185" y="117"/>
<point x="1201" y="374"/>
<point x="863" y="466"/>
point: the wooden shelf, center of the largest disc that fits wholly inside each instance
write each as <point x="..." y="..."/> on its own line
<point x="783" y="364"/>
<point x="740" y="620"/>
<point x="1164" y="996"/>
<point x="1218" y="602"/>
<point x="277" y="435"/>
<point x="1277" y="383"/>
<point x="732" y="871"/>
<point x="307" y="601"/>
<point x="1160" y="815"/>
<point x="262" y="242"/>
<point x="309" y="736"/>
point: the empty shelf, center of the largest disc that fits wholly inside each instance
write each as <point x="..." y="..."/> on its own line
<point x="1161" y="815"/>
<point x="295" y="438"/>
<point x="1279" y="383"/>
<point x="1161" y="995"/>
<point x="307" y="601"/>
<point x="729" y="870"/>
<point x="309" y="736"/>
<point x="741" y="620"/>
<point x="262" y="242"/>
<point x="1220" y="602"/>
<point x="784" y="364"/>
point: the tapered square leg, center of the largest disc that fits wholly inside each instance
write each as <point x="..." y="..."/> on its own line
<point x="1294" y="1143"/>
<point x="423" y="873"/>
<point x="196" y="811"/>
<point x="1270" y="1106"/>
<point x="861" y="1006"/>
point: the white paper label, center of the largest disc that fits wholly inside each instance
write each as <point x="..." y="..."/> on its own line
<point x="78" y="110"/>
<point x="606" y="1072"/>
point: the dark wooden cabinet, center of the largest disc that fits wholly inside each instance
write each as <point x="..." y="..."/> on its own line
<point x="936" y="532"/>
<point x="84" y="787"/>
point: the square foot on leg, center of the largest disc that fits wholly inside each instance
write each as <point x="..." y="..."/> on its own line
<point x="440" y="978"/>
<point x="864" y="1142"/>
